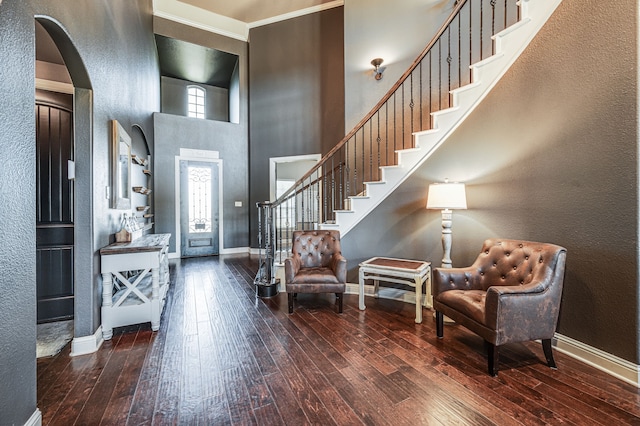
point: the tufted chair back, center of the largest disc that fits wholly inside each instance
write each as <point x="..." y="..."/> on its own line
<point x="315" y="248"/>
<point x="512" y="262"/>
<point x="316" y="265"/>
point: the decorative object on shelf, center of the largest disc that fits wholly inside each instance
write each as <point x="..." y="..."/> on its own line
<point x="130" y="231"/>
<point x="139" y="160"/>
<point x="377" y="71"/>
<point x="142" y="190"/>
<point x="446" y="197"/>
<point x="120" y="167"/>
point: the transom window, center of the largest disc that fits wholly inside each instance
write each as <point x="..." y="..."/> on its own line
<point x="196" y="101"/>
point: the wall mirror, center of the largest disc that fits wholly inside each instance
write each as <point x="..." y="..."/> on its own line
<point x="120" y="167"/>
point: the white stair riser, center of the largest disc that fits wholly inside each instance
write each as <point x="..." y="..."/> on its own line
<point x="508" y="44"/>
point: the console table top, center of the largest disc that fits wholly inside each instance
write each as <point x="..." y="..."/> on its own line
<point x="148" y="242"/>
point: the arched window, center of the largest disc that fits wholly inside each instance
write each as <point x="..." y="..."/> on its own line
<point x="195" y="101"/>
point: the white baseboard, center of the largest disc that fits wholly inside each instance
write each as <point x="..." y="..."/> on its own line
<point x="610" y="364"/>
<point x="603" y="361"/>
<point x="35" y="419"/>
<point x="235" y="250"/>
<point x="87" y="344"/>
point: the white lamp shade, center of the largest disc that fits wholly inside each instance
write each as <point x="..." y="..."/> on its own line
<point x="447" y="196"/>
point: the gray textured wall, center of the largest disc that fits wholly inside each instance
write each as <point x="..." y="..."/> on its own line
<point x="18" y="248"/>
<point x="174" y="132"/>
<point x="229" y="138"/>
<point x="113" y="54"/>
<point x="297" y="94"/>
<point x="550" y="155"/>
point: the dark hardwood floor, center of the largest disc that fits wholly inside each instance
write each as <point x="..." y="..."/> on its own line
<point x="222" y="356"/>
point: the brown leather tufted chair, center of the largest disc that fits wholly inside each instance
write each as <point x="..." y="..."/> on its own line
<point x="511" y="293"/>
<point x="316" y="265"/>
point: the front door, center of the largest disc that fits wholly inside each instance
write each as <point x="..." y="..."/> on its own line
<point x="54" y="204"/>
<point x="199" y="208"/>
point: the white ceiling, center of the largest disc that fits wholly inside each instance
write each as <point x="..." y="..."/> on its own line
<point x="234" y="18"/>
<point x="249" y="11"/>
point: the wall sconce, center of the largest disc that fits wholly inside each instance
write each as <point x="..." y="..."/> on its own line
<point x="446" y="196"/>
<point x="377" y="70"/>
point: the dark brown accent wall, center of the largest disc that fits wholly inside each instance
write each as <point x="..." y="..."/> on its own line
<point x="296" y="80"/>
<point x="550" y="155"/>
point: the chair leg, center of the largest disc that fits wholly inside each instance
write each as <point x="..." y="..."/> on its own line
<point x="548" y="353"/>
<point x="339" y="300"/>
<point x="290" y="296"/>
<point x="492" y="358"/>
<point x="439" y="325"/>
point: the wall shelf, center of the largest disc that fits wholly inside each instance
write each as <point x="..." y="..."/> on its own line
<point x="142" y="190"/>
<point x="139" y="160"/>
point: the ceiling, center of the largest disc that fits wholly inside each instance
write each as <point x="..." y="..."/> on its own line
<point x="191" y="62"/>
<point x="250" y="11"/>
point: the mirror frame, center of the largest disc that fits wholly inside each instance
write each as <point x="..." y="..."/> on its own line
<point x="120" y="167"/>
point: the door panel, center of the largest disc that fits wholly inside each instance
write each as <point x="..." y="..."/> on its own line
<point x="54" y="206"/>
<point x="199" y="207"/>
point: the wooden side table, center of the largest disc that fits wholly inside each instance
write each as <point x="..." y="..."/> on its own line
<point x="415" y="273"/>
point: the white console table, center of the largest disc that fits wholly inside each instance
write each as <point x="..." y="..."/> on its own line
<point x="135" y="279"/>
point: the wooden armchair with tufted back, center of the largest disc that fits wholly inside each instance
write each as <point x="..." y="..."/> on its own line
<point x="316" y="265"/>
<point x="511" y="293"/>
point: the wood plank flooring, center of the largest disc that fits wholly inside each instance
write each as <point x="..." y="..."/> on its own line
<point x="224" y="357"/>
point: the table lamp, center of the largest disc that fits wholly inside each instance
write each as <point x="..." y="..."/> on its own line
<point x="446" y="196"/>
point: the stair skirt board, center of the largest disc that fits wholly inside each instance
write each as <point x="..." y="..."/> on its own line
<point x="509" y="44"/>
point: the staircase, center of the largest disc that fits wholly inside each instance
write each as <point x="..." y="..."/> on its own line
<point x="473" y="49"/>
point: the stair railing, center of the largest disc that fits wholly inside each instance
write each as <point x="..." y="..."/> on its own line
<point x="465" y="38"/>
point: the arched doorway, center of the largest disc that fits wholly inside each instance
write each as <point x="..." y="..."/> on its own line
<point x="79" y="269"/>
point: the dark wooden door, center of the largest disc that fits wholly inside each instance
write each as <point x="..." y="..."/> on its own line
<point x="54" y="206"/>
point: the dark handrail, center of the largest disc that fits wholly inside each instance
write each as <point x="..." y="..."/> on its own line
<point x="458" y="5"/>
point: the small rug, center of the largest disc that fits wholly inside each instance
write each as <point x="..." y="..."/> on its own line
<point x="52" y="337"/>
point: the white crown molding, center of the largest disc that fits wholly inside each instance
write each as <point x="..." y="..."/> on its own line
<point x="186" y="14"/>
<point x="296" y="13"/>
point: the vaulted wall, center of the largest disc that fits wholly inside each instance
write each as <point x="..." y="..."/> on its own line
<point x="297" y="94"/>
